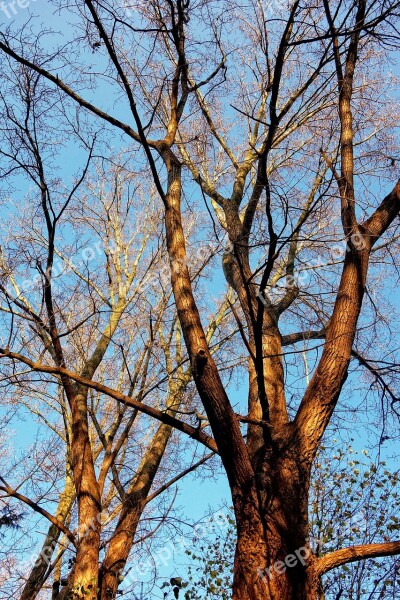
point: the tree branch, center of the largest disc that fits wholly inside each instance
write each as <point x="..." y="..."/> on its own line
<point x="354" y="553"/>
<point x="380" y="220"/>
<point x="178" y="477"/>
<point x="42" y="511"/>
<point x="69" y="92"/>
<point x="164" y="417"/>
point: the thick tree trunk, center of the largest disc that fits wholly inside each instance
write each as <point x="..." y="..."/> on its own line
<point x="86" y="572"/>
<point x="265" y="570"/>
<point x="273" y="559"/>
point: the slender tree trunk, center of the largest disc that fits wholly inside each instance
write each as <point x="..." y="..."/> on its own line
<point x="124" y="535"/>
<point x="37" y="575"/>
<point x="84" y="580"/>
<point x="118" y="552"/>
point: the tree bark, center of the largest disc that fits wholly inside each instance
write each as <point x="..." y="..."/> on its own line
<point x="273" y="559"/>
<point x="84" y="580"/>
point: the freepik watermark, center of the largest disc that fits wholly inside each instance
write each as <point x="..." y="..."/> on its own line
<point x="60" y="267"/>
<point x="336" y="253"/>
<point x="218" y="521"/>
<point x="95" y="251"/>
<point x="47" y="552"/>
<point x="162" y="277"/>
<point x="10" y="9"/>
<point x="301" y="555"/>
<point x="291" y="560"/>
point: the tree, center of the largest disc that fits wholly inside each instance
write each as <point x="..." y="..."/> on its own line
<point x="287" y="136"/>
<point x="84" y="279"/>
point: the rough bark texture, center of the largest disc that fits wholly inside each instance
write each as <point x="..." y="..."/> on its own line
<point x="85" y="574"/>
<point x="269" y="477"/>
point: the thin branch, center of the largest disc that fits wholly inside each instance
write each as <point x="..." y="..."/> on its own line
<point x="42" y="511"/>
<point x="178" y="477"/>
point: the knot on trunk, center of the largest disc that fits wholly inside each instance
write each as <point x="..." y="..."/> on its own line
<point x="199" y="362"/>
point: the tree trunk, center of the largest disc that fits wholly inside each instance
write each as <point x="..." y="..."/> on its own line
<point x="264" y="570"/>
<point x="122" y="541"/>
<point x="273" y="559"/>
<point x="118" y="552"/>
<point x="38" y="573"/>
<point x="84" y="577"/>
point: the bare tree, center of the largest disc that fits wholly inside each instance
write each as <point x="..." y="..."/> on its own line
<point x="285" y="133"/>
<point x="85" y="285"/>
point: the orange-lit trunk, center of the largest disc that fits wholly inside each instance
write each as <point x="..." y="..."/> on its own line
<point x="84" y="580"/>
<point x="273" y="559"/>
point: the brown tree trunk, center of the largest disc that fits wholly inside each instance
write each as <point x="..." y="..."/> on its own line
<point x="124" y="535"/>
<point x="270" y="567"/>
<point x="273" y="559"/>
<point x="84" y="578"/>
<point x="119" y="549"/>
